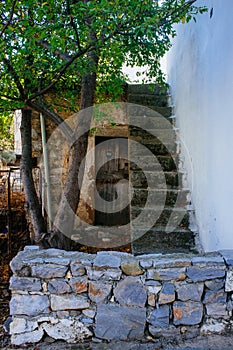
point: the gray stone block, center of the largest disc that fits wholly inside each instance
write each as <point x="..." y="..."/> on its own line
<point x="203" y="261"/>
<point x="215" y="284"/>
<point x="79" y="284"/>
<point x="58" y="286"/>
<point x="213" y="327"/>
<point x="197" y="274"/>
<point x="114" y="322"/>
<point x="154" y="289"/>
<point x="29" y="337"/>
<point x="215" y="297"/>
<point x="172" y="274"/>
<point x="89" y="313"/>
<point x="106" y="260"/>
<point x="69" y="302"/>
<point x="189" y="291"/>
<point x="216" y="310"/>
<point x="49" y="271"/>
<point x="131" y="292"/>
<point x="227" y="256"/>
<point x="146" y="264"/>
<point x="153" y="283"/>
<point x="25" y="283"/>
<point x="69" y="330"/>
<point x="164" y="332"/>
<point x="167" y="294"/>
<point x="22" y="325"/>
<point x="99" y="292"/>
<point x="229" y="281"/>
<point x="104" y="275"/>
<point x="163" y="263"/>
<point x="31" y="305"/>
<point x="152" y="274"/>
<point x="77" y="269"/>
<point x="31" y="247"/>
<point x="20" y="263"/>
<point x="160" y="317"/>
<point x="187" y="313"/>
<point x="57" y="260"/>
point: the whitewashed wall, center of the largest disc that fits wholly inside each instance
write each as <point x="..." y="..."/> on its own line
<point x="200" y="72"/>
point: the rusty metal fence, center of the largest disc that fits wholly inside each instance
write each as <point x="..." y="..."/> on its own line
<point x="13" y="225"/>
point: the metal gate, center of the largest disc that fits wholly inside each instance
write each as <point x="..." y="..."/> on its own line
<point x="13" y="225"/>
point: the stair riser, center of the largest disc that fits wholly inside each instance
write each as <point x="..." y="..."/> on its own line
<point x="161" y="218"/>
<point x="148" y="100"/>
<point x="135" y="109"/>
<point x="162" y="180"/>
<point x="162" y="242"/>
<point x="156" y="148"/>
<point x="150" y="89"/>
<point x="158" y="198"/>
<point x="152" y="134"/>
<point x="157" y="122"/>
<point x="163" y="163"/>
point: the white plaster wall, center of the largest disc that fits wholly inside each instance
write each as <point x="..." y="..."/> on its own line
<point x="200" y="72"/>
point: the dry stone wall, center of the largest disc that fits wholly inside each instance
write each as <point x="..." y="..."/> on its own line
<point x="109" y="296"/>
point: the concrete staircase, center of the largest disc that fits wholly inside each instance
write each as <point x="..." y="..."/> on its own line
<point x="159" y="206"/>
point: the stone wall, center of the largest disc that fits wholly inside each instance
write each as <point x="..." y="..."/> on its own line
<point x="116" y="296"/>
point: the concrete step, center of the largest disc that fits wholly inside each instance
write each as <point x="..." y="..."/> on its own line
<point x="156" y="147"/>
<point x="149" y="123"/>
<point x="150" y="89"/>
<point x="152" y="134"/>
<point x="149" y="111"/>
<point x="156" y="240"/>
<point x="167" y="198"/>
<point x="148" y="100"/>
<point x="140" y="179"/>
<point x="177" y="216"/>
<point x="160" y="163"/>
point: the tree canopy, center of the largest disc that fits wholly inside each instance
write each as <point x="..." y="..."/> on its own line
<point x="46" y="42"/>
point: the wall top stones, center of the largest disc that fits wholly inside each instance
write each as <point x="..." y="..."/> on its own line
<point x="32" y="255"/>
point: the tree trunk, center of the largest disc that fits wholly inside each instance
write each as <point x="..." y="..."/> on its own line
<point x="32" y="201"/>
<point x="64" y="220"/>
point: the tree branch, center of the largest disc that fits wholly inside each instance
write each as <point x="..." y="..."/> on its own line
<point x="10" y="98"/>
<point x="61" y="72"/>
<point x="73" y="25"/>
<point x="46" y="45"/>
<point x="15" y="77"/>
<point x="10" y="18"/>
<point x="63" y="69"/>
<point x="174" y="15"/>
<point x="45" y="110"/>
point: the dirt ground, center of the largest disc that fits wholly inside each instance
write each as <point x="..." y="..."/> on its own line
<point x="208" y="342"/>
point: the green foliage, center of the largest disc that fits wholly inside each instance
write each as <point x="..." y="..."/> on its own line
<point x="44" y="44"/>
<point x="6" y="131"/>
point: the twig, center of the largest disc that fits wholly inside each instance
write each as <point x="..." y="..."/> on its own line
<point x="10" y="18"/>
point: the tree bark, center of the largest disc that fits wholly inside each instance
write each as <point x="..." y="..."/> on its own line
<point x="32" y="201"/>
<point x="64" y="220"/>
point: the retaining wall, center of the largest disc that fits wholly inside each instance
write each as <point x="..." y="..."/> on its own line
<point x="116" y="296"/>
